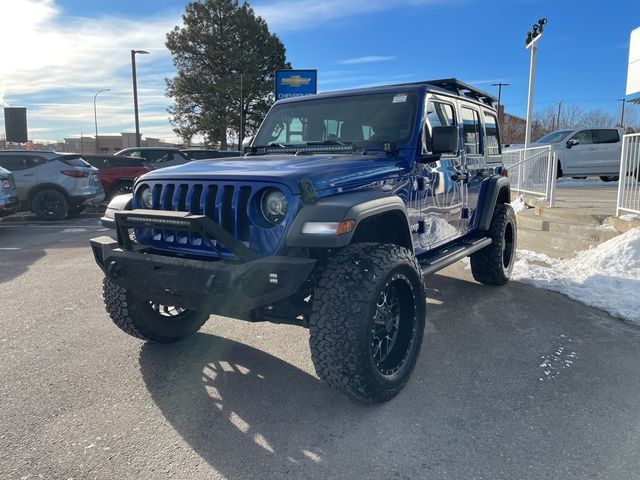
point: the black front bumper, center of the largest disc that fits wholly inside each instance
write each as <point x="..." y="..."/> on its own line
<point x="225" y="287"/>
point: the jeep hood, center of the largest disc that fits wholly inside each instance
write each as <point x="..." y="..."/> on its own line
<point x="326" y="171"/>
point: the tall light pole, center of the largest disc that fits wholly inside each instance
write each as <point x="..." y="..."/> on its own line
<point x="623" y="100"/>
<point x="95" y="114"/>
<point x="500" y="85"/>
<point x="533" y="36"/>
<point x="135" y="91"/>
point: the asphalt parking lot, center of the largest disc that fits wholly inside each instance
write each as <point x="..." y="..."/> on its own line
<point x="512" y="383"/>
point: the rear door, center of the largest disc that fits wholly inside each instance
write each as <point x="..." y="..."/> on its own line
<point x="24" y="169"/>
<point x="607" y="150"/>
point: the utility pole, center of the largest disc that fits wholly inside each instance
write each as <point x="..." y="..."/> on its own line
<point x="135" y="91"/>
<point x="241" y="132"/>
<point x="533" y="36"/>
<point x="623" y="100"/>
<point x="500" y="85"/>
<point x="558" y="118"/>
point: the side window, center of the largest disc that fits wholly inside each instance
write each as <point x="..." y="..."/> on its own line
<point x="584" y="137"/>
<point x="12" y="162"/>
<point x="135" y="153"/>
<point x="471" y="128"/>
<point x="492" y="135"/>
<point x="32" y="161"/>
<point x="439" y="114"/>
<point x="605" y="136"/>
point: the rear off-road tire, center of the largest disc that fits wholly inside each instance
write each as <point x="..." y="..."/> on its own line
<point x="150" y="322"/>
<point x="493" y="264"/>
<point x="367" y="320"/>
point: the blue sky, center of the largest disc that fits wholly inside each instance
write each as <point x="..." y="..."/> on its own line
<point x="65" y="50"/>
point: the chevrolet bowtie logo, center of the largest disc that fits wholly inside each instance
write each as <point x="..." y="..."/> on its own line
<point x="295" y="81"/>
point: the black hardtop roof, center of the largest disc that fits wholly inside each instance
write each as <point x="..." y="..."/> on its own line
<point x="444" y="85"/>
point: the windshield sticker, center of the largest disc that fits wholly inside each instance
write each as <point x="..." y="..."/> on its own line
<point x="401" y="98"/>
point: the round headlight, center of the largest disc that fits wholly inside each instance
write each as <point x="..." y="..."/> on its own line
<point x="145" y="197"/>
<point x="274" y="205"/>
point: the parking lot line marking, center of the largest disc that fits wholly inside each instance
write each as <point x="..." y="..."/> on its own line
<point x="10" y="248"/>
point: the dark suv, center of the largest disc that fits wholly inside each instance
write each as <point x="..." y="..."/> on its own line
<point x="343" y="204"/>
<point x="156" y="157"/>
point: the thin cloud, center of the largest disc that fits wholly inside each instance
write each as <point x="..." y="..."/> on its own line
<point x="368" y="59"/>
<point x="288" y="15"/>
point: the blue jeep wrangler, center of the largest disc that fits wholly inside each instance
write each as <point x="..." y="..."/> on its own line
<point x="340" y="207"/>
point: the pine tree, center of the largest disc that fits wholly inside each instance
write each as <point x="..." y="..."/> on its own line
<point x="221" y="46"/>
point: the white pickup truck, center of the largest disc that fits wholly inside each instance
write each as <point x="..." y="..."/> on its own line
<point x="586" y="151"/>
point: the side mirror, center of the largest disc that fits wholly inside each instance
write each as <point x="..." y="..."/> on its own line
<point x="444" y="140"/>
<point x="573" y="142"/>
<point x="246" y="144"/>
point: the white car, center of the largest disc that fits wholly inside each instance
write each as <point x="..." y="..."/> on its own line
<point x="586" y="152"/>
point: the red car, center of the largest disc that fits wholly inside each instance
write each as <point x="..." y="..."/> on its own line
<point x="117" y="173"/>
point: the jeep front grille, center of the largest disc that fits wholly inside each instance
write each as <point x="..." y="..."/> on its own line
<point x="225" y="204"/>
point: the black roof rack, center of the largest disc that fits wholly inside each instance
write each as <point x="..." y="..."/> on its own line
<point x="460" y="88"/>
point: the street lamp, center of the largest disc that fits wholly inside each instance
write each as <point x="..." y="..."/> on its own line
<point x="135" y="91"/>
<point x="95" y="114"/>
<point x="500" y="85"/>
<point x="623" y="100"/>
<point x="533" y="36"/>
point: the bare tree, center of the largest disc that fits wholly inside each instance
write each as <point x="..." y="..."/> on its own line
<point x="596" y="118"/>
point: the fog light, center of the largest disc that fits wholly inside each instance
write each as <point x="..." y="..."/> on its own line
<point x="273" y="278"/>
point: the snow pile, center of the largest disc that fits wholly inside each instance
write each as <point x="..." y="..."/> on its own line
<point x="518" y="204"/>
<point x="606" y="277"/>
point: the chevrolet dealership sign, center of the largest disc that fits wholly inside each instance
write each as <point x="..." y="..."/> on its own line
<point x="296" y="83"/>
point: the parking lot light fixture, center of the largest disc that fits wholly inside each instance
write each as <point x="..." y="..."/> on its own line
<point x="95" y="114"/>
<point x="531" y="41"/>
<point x="135" y="91"/>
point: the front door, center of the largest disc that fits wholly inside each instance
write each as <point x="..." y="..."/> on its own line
<point x="438" y="188"/>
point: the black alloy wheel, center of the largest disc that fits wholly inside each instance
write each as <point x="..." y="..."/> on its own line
<point x="394" y="325"/>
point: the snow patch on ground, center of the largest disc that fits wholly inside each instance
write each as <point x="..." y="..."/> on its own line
<point x="630" y="217"/>
<point x="606" y="277"/>
<point x="518" y="204"/>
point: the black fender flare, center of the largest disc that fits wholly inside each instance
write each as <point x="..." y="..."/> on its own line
<point x="358" y="206"/>
<point x="495" y="189"/>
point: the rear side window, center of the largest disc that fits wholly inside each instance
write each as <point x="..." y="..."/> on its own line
<point x="605" y="136"/>
<point x="492" y="135"/>
<point x="471" y="126"/>
<point x="74" y="161"/>
<point x="126" y="162"/>
<point x="584" y="137"/>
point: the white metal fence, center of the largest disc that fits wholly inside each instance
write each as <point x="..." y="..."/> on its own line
<point x="629" y="183"/>
<point x="532" y="171"/>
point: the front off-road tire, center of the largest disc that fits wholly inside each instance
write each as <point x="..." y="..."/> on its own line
<point x="150" y="322"/>
<point x="367" y="321"/>
<point x="493" y="264"/>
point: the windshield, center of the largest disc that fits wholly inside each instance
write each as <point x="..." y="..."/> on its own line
<point x="362" y="120"/>
<point x="554" y="137"/>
